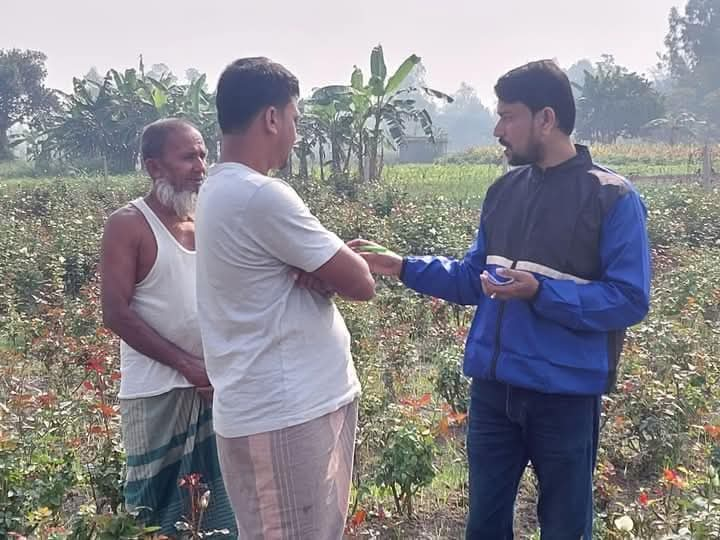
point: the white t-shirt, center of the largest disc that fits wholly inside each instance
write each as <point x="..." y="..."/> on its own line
<point x="276" y="354"/>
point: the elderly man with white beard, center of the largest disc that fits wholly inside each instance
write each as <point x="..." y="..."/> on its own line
<point x="148" y="300"/>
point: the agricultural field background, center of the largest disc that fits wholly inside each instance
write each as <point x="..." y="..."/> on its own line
<point x="61" y="462"/>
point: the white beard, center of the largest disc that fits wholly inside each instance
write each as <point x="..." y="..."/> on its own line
<point x="181" y="202"/>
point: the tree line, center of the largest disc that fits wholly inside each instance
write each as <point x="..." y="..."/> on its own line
<point x="348" y="127"/>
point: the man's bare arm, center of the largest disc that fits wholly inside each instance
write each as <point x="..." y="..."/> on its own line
<point x="347" y="274"/>
<point x="118" y="264"/>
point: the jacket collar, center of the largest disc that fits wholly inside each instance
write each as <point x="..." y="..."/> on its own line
<point x="582" y="159"/>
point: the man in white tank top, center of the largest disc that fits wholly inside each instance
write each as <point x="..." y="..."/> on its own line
<point x="278" y="355"/>
<point x="149" y="301"/>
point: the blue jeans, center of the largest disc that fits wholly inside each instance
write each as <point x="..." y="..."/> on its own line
<point x="558" y="434"/>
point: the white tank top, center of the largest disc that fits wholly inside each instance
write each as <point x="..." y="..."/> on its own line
<point x="165" y="299"/>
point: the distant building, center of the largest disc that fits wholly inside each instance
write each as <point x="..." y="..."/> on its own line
<point x="423" y="150"/>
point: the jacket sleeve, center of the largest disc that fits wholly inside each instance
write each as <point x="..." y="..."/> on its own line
<point x="621" y="297"/>
<point x="456" y="281"/>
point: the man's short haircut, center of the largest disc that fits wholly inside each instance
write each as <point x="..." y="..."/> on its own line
<point x="156" y="134"/>
<point x="249" y="85"/>
<point x="538" y="85"/>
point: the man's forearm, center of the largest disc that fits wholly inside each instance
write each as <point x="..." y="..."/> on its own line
<point x="449" y="279"/>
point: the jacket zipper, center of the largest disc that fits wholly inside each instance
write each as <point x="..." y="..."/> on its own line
<point x="501" y="309"/>
<point x="498" y="328"/>
<point x="496" y="353"/>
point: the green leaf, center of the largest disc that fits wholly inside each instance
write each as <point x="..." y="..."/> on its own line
<point x="131" y="78"/>
<point x="119" y="81"/>
<point x="437" y="94"/>
<point x="356" y="79"/>
<point x="426" y="123"/>
<point x="401" y="74"/>
<point x="377" y="64"/>
<point x="377" y="87"/>
<point x="327" y="95"/>
<point x="361" y="104"/>
<point x="160" y="98"/>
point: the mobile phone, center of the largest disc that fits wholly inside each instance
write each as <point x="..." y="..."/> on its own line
<point x="496" y="279"/>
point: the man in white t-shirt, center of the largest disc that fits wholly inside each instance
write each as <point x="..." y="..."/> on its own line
<point x="277" y="355"/>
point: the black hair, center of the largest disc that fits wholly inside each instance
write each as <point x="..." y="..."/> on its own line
<point x="249" y="85"/>
<point x="538" y="85"/>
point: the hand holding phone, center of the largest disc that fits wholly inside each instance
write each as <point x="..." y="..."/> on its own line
<point x="497" y="279"/>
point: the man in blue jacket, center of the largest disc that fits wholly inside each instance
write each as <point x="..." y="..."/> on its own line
<point x="559" y="269"/>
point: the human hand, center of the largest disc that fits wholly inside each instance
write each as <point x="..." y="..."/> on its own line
<point x="194" y="371"/>
<point x="523" y="287"/>
<point x="380" y="259"/>
<point x="306" y="280"/>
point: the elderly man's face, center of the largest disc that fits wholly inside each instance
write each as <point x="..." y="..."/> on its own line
<point x="180" y="171"/>
<point x="182" y="164"/>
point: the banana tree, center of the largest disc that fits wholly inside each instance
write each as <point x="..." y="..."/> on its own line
<point x="312" y="137"/>
<point x="329" y="108"/>
<point x="390" y="105"/>
<point x="106" y="119"/>
<point x="83" y="128"/>
<point x="194" y="103"/>
<point x="101" y="120"/>
<point x="377" y="112"/>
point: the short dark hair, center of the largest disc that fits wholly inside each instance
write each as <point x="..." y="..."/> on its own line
<point x="156" y="134"/>
<point x="538" y="85"/>
<point x="247" y="86"/>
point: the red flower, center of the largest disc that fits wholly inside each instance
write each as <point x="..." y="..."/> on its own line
<point x="643" y="499"/>
<point x="106" y="410"/>
<point x="673" y="478"/>
<point x="191" y="480"/>
<point x="358" y="518"/>
<point x="416" y="403"/>
<point x="96" y="364"/>
<point x="46" y="399"/>
<point x="713" y="432"/>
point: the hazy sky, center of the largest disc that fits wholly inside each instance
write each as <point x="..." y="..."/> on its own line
<point x="320" y="40"/>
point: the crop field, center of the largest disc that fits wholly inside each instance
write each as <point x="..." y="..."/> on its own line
<point x="61" y="460"/>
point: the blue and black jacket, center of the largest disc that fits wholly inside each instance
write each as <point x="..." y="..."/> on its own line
<point x="580" y="229"/>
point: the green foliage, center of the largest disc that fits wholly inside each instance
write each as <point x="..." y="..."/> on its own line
<point x="110" y="526"/>
<point x="406" y="464"/>
<point x="103" y="121"/>
<point x="59" y="429"/>
<point x="358" y="119"/>
<point x="615" y="103"/>
<point x="450" y="382"/>
<point x="691" y="59"/>
<point x="683" y="215"/>
<point x="22" y="91"/>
